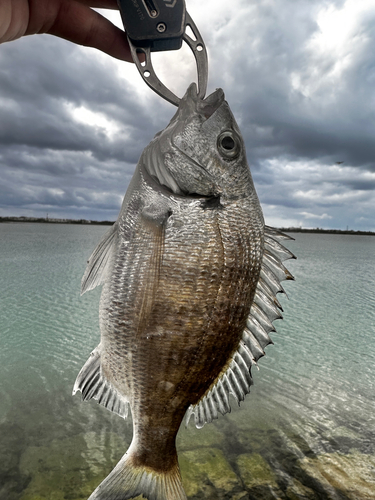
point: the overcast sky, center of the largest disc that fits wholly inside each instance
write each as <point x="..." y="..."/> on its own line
<point x="299" y="77"/>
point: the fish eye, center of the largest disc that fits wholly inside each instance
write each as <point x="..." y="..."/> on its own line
<point x="229" y="145"/>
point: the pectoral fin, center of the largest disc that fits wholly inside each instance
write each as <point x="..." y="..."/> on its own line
<point x="98" y="263"/>
<point x="153" y="220"/>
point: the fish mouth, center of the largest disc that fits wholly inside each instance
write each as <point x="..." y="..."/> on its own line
<point x="211" y="103"/>
<point x="191" y="104"/>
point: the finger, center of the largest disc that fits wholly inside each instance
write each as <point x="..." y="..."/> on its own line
<point x="13" y="20"/>
<point x="80" y="24"/>
<point x="100" y="4"/>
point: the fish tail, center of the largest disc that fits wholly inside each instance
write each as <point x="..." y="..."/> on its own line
<point x="129" y="481"/>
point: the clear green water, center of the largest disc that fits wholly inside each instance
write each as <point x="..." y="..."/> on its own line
<point x="307" y="430"/>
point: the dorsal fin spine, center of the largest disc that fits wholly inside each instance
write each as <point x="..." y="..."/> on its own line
<point x="271" y="311"/>
<point x="271" y="279"/>
<point x="263" y="287"/>
<point x="259" y="332"/>
<point x="257" y="313"/>
<point x="236" y="378"/>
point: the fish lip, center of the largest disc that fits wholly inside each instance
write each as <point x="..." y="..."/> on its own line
<point x="211" y="103"/>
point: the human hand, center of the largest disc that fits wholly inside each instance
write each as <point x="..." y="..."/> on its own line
<point x="73" y="20"/>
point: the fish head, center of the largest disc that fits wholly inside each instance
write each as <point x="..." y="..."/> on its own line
<point x="201" y="152"/>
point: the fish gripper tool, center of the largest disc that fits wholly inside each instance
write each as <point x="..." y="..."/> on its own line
<point x="159" y="25"/>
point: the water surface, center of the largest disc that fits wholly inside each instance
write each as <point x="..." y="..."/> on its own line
<point x="306" y="430"/>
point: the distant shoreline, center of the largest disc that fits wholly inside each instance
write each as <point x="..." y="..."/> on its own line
<point x="47" y="220"/>
<point x="325" y="231"/>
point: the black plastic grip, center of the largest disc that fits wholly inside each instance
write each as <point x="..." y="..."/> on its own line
<point x="158" y="24"/>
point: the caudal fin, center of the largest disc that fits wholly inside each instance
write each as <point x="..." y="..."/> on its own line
<point x="128" y="481"/>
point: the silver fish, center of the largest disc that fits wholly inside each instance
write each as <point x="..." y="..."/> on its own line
<point x="190" y="276"/>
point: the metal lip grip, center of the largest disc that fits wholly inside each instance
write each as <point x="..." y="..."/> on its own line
<point x="158" y="25"/>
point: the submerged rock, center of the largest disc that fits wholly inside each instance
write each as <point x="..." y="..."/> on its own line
<point x="255" y="471"/>
<point x="353" y="474"/>
<point x="12" y="445"/>
<point x="343" y="439"/>
<point x="298" y="491"/>
<point x="257" y="476"/>
<point x="63" y="470"/>
<point x="71" y="468"/>
<point x="206" y="474"/>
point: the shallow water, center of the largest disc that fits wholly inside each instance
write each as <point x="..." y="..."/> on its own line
<point x="306" y="430"/>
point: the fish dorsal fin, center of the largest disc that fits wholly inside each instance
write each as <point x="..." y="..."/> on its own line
<point x="93" y="385"/>
<point x="236" y="378"/>
<point x="98" y="263"/>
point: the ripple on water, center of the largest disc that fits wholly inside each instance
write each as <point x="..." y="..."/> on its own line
<point x="309" y="418"/>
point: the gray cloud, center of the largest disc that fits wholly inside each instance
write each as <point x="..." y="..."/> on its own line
<point x="304" y="100"/>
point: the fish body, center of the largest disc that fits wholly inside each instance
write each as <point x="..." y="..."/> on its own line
<point x="181" y="271"/>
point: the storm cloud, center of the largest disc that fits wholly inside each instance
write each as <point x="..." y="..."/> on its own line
<point x="298" y="75"/>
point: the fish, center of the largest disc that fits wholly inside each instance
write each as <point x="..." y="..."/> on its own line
<point x="190" y="274"/>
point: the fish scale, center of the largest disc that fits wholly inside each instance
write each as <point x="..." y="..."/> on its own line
<point x="184" y="311"/>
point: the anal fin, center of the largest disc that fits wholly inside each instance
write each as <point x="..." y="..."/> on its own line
<point x="93" y="385"/>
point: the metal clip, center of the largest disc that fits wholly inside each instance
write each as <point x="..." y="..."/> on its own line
<point x="148" y="73"/>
